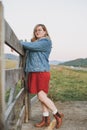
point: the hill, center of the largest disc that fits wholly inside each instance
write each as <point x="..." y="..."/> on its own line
<point x="76" y="63"/>
<point x="11" y="61"/>
<point x="81" y="62"/>
<point x="55" y="62"/>
<point x="11" y="56"/>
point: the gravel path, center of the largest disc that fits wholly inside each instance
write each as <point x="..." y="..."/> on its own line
<point x="75" y="116"/>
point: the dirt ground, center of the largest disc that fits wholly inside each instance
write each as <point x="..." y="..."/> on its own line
<point x="75" y="116"/>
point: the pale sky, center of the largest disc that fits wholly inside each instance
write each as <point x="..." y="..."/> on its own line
<point x="66" y="21"/>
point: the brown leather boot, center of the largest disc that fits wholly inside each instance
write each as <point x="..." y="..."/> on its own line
<point x="45" y="122"/>
<point x="58" y="117"/>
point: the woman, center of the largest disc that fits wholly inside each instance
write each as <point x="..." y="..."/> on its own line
<point x="37" y="65"/>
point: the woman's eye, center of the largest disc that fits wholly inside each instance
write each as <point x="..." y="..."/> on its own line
<point x="38" y="30"/>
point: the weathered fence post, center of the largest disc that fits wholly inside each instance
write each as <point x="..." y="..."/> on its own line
<point x="27" y="103"/>
<point x="27" y="97"/>
<point x="2" y="73"/>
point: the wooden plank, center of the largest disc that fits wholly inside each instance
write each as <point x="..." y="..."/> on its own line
<point x="11" y="96"/>
<point x="21" y="119"/>
<point x="33" y="100"/>
<point x="11" y="39"/>
<point x="10" y="108"/>
<point x="27" y="107"/>
<point x="12" y="76"/>
<point x="2" y="90"/>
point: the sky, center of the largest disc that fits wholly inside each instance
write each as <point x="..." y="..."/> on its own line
<point x="66" y="22"/>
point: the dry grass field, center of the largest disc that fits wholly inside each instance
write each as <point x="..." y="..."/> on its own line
<point x="10" y="64"/>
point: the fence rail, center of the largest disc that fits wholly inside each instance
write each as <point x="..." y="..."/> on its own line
<point x="17" y="110"/>
<point x="11" y="39"/>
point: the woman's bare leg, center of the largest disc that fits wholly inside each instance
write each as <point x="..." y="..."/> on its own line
<point x="45" y="109"/>
<point x="47" y="101"/>
<point x="45" y="117"/>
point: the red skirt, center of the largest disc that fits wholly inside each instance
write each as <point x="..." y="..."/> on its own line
<point x="38" y="81"/>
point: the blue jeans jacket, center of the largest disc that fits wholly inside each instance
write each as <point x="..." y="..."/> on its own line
<point x="37" y="55"/>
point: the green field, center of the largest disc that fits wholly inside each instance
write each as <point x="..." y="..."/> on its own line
<point x="67" y="84"/>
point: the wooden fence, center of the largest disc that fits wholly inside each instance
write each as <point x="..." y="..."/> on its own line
<point x="16" y="111"/>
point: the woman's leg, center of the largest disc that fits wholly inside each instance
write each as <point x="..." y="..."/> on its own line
<point x="50" y="104"/>
<point x="42" y="96"/>
<point x="45" y="109"/>
<point x="45" y="117"/>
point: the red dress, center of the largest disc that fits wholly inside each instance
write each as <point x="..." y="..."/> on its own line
<point x="38" y="81"/>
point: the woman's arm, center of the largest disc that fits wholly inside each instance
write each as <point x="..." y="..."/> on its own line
<point x="40" y="45"/>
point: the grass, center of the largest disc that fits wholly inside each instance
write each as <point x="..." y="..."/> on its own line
<point x="17" y="90"/>
<point x="67" y="84"/>
<point x="7" y="94"/>
<point x="9" y="64"/>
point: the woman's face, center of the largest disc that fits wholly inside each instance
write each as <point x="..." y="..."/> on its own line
<point x="39" y="32"/>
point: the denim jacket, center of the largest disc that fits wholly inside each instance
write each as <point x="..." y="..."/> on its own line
<point x="37" y="59"/>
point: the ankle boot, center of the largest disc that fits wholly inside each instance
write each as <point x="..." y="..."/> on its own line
<point x="58" y="117"/>
<point x="45" y="122"/>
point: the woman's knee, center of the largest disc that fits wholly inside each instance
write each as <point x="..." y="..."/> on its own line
<point x="41" y="96"/>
